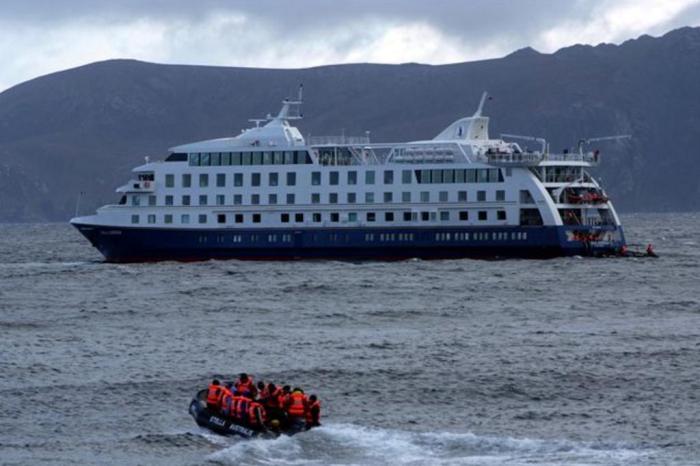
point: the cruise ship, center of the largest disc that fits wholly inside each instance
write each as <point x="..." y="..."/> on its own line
<point x="268" y="193"/>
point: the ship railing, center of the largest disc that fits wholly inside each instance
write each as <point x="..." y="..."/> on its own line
<point x="589" y="157"/>
<point x="512" y="158"/>
<point x="336" y="140"/>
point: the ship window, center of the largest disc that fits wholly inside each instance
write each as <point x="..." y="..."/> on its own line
<point x="459" y="176"/>
<point x="388" y="197"/>
<point x="388" y="216"/>
<point x="315" y="178"/>
<point x="299" y="218"/>
<point x="352" y="217"/>
<point x="333" y="198"/>
<point x="369" y="198"/>
<point x="268" y="158"/>
<point x="203" y="180"/>
<point x="495" y="175"/>
<point x="169" y="181"/>
<point x="257" y="158"/>
<point x="443" y="196"/>
<point x="134" y="219"/>
<point x="406" y="196"/>
<point x="273" y="179"/>
<point x="185" y="219"/>
<point x="316" y="217"/>
<point x="168" y="200"/>
<point x="168" y="218"/>
<point x="279" y="158"/>
<point x="221" y="218"/>
<point x="220" y="180"/>
<point x="483" y="215"/>
<point x="256" y="218"/>
<point x="407" y="216"/>
<point x="291" y="179"/>
<point x="255" y="179"/>
<point x="237" y="199"/>
<point x="333" y="178"/>
<point x="471" y="176"/>
<point x="369" y="177"/>
<point x="482" y="175"/>
<point x="315" y="198"/>
<point x="246" y="158"/>
<point x="135" y="200"/>
<point x="406" y="176"/>
<point x="238" y="218"/>
<point x="202" y="199"/>
<point x="448" y="176"/>
<point x="220" y="199"/>
<point x="335" y="217"/>
<point x="352" y="198"/>
<point x="238" y="179"/>
<point x="388" y="177"/>
<point x="225" y="158"/>
<point x="463" y="215"/>
<point x="202" y="218"/>
<point x="204" y="160"/>
<point x="255" y="199"/>
<point x="284" y="218"/>
<point x="501" y="214"/>
<point x="371" y="216"/>
<point x="352" y="177"/>
<point x="530" y="217"/>
<point x="216" y="159"/>
<point x="462" y="196"/>
<point x="194" y="159"/>
<point x="425" y="216"/>
<point x="526" y="197"/>
<point x="272" y="199"/>
<point x="436" y="176"/>
<point x="290" y="198"/>
<point x="151" y="201"/>
<point x="444" y="216"/>
<point x="509" y="171"/>
<point x="500" y="195"/>
<point x="425" y="196"/>
<point x="481" y="196"/>
<point x="236" y="158"/>
<point x="186" y="180"/>
<point x="185" y="200"/>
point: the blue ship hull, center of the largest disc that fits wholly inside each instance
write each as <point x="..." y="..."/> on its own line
<point x="120" y="244"/>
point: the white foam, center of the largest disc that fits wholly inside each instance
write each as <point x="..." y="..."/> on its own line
<point x="348" y="444"/>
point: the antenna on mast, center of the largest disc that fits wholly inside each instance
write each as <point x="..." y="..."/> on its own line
<point x="481" y="104"/>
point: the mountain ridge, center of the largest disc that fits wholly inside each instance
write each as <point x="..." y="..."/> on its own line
<point x="84" y="128"/>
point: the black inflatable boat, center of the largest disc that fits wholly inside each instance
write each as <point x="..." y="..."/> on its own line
<point x="224" y="426"/>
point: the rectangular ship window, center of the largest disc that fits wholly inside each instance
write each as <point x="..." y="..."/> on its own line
<point x="388" y="197"/>
<point x="464" y="215"/>
<point x="185" y="219"/>
<point x="202" y="199"/>
<point x="388" y="216"/>
<point x="238" y="218"/>
<point x="500" y="195"/>
<point x="483" y="215"/>
<point x="220" y="180"/>
<point x="443" y="196"/>
<point x="352" y="198"/>
<point x="186" y="200"/>
<point x="255" y="179"/>
<point x="168" y="218"/>
<point x="284" y="218"/>
<point x="221" y="218"/>
<point x="406" y="176"/>
<point x="202" y="218"/>
<point x="237" y="199"/>
<point x="352" y="177"/>
<point x="335" y="217"/>
<point x="369" y="177"/>
<point x="238" y="179"/>
<point x="291" y="179"/>
<point x="316" y="217"/>
<point x="315" y="178"/>
<point x="406" y="196"/>
<point x="462" y="196"/>
<point x="134" y="219"/>
<point x="186" y="180"/>
<point x="481" y="196"/>
<point x="272" y="199"/>
<point x="501" y="215"/>
<point x="388" y="177"/>
<point x="220" y="199"/>
<point x="169" y="181"/>
<point x="256" y="218"/>
<point x="334" y="178"/>
<point x="315" y="198"/>
<point x="290" y="198"/>
<point x="369" y="198"/>
<point x="371" y="216"/>
<point x="169" y="200"/>
<point x="273" y="179"/>
<point x="203" y="180"/>
<point x="299" y="218"/>
<point x="444" y="216"/>
<point x="407" y="216"/>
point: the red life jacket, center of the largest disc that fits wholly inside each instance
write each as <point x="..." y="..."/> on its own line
<point x="296" y="404"/>
<point x="240" y="407"/>
<point x="214" y="395"/>
<point x="273" y="398"/>
<point x="252" y="417"/>
<point x="246" y="386"/>
<point x="313" y="413"/>
<point x="282" y="399"/>
<point x="226" y="402"/>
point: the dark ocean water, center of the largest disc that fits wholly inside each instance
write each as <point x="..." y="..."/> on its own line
<point x="560" y="362"/>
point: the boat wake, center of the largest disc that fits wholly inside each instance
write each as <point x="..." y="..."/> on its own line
<point x="348" y="444"/>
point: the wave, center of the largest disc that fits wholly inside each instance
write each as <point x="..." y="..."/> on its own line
<point x="348" y="444"/>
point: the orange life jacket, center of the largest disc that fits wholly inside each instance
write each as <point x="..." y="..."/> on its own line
<point x="240" y="407"/>
<point x="246" y="386"/>
<point x="313" y="413"/>
<point x="226" y="401"/>
<point x="296" y="404"/>
<point x="272" y="400"/>
<point x="252" y="417"/>
<point x="214" y="395"/>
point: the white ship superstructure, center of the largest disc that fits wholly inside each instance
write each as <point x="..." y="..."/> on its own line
<point x="268" y="193"/>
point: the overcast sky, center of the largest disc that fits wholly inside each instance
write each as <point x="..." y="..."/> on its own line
<point x="41" y="36"/>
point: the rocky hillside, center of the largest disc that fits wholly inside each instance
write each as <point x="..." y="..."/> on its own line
<point x="84" y="129"/>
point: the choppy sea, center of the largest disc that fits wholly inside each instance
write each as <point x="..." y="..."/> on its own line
<point x="570" y="361"/>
